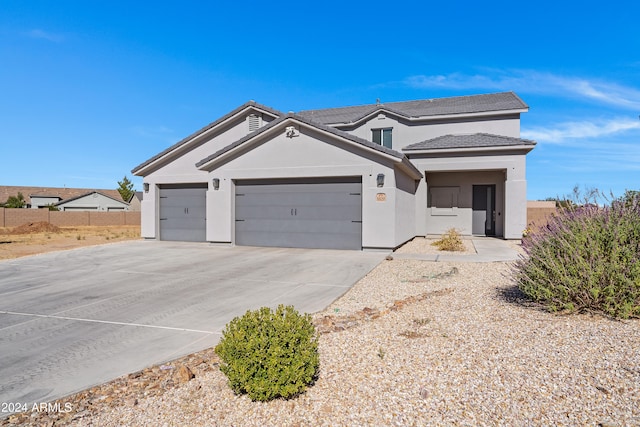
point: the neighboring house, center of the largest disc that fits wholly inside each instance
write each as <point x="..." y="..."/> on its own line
<point x="41" y="197"/>
<point x="134" y="201"/>
<point x="363" y="177"/>
<point x="93" y="201"/>
<point x="43" y="200"/>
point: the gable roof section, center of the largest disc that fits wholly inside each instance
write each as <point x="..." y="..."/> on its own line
<point x="135" y="194"/>
<point x="185" y="141"/>
<point x="384" y="151"/>
<point x="90" y="193"/>
<point x="428" y="108"/>
<point x="474" y="140"/>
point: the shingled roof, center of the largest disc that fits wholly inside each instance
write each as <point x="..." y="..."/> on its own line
<point x="211" y="125"/>
<point x="376" y="147"/>
<point x="474" y="140"/>
<point x="417" y="109"/>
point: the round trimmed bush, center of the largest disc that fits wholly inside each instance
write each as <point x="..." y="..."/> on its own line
<point x="269" y="354"/>
<point x="586" y="259"/>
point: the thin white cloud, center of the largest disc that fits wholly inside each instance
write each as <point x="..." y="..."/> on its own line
<point x="530" y="81"/>
<point x="44" y="35"/>
<point x="562" y="132"/>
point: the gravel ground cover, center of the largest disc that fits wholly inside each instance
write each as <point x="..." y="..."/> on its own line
<point x="423" y="343"/>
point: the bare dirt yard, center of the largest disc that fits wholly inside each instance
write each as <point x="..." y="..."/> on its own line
<point x="40" y="237"/>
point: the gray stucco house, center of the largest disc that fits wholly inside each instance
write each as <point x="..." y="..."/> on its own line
<point x="362" y="177"/>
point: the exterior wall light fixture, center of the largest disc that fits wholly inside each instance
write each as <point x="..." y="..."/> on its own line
<point x="380" y="180"/>
<point x="145" y="185"/>
<point x="216" y="183"/>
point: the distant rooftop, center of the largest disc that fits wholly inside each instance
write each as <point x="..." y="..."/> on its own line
<point x="62" y="193"/>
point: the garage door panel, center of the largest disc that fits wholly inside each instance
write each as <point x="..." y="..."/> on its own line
<point x="316" y="226"/>
<point x="310" y="213"/>
<point x="183" y="213"/>
<point x="305" y="215"/>
<point x="305" y="240"/>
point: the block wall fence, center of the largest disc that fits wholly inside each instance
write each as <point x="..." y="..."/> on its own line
<point x="536" y="215"/>
<point x="17" y="217"/>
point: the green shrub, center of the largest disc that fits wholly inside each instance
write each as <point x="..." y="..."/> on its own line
<point x="586" y="259"/>
<point x="269" y="354"/>
<point x="450" y="241"/>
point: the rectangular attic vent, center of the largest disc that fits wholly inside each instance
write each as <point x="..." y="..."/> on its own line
<point x="254" y="122"/>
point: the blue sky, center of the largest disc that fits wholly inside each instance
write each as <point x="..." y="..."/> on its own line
<point x="89" y="90"/>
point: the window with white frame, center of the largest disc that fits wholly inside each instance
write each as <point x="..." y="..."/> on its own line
<point x="381" y="137"/>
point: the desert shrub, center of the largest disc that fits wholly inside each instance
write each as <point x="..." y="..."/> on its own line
<point x="269" y="354"/>
<point x="450" y="241"/>
<point x="586" y="259"/>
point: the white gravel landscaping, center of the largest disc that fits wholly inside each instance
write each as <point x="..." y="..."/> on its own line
<point x="469" y="353"/>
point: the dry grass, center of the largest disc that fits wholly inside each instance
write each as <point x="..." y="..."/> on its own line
<point x="31" y="239"/>
<point x="450" y="241"/>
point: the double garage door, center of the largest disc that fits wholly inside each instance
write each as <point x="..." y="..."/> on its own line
<point x="324" y="214"/>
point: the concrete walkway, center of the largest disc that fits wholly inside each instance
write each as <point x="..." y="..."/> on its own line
<point x="488" y="249"/>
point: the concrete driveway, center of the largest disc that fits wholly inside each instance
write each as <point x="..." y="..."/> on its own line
<point x="70" y="320"/>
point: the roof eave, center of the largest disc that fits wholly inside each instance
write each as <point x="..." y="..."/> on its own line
<point x="399" y="158"/>
<point x="431" y="117"/>
<point x="184" y="144"/>
<point x="521" y="147"/>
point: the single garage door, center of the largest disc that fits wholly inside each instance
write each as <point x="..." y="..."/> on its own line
<point x="324" y="214"/>
<point x="183" y="212"/>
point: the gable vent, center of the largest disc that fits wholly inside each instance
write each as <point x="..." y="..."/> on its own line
<point x="254" y="122"/>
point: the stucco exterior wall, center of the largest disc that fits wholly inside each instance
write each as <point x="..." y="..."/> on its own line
<point x="514" y="188"/>
<point x="180" y="168"/>
<point x="407" y="133"/>
<point x="461" y="219"/>
<point x="405" y="209"/>
<point x="391" y="214"/>
<point x="311" y="154"/>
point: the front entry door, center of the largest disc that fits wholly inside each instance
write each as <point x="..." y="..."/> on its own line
<point x="484" y="210"/>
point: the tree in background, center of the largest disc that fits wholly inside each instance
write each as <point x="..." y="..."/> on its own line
<point x="14" y="202"/>
<point x="125" y="188"/>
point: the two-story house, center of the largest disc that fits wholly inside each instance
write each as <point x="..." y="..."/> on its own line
<point x="363" y="177"/>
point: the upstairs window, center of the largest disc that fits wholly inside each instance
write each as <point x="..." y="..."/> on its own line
<point x="382" y="137"/>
